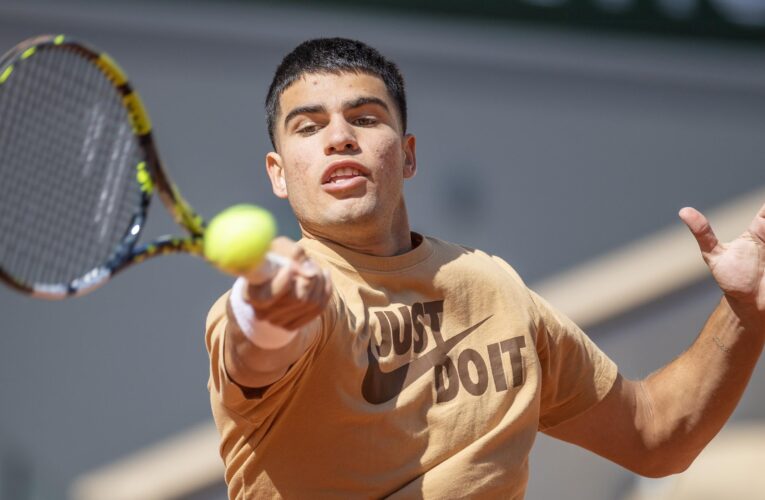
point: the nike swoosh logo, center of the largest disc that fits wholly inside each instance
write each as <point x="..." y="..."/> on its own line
<point x="379" y="387"/>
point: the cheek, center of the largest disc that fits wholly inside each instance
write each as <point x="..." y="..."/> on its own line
<point x="390" y="151"/>
<point x="296" y="171"/>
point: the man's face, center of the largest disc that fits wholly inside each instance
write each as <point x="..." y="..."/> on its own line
<point x="341" y="154"/>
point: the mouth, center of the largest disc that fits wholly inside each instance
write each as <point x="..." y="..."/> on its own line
<point x="343" y="172"/>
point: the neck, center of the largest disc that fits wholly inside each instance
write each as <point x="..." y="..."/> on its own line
<point x="383" y="240"/>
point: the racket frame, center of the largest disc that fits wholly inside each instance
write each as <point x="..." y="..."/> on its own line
<point x="150" y="175"/>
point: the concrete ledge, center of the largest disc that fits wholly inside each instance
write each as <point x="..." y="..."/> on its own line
<point x="174" y="468"/>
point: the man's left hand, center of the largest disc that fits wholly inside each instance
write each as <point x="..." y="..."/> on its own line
<point x="737" y="266"/>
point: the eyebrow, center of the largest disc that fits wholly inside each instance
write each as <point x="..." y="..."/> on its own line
<point x="318" y="108"/>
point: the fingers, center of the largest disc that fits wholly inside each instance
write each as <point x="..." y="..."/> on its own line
<point x="296" y="294"/>
<point x="301" y="314"/>
<point x="699" y="226"/>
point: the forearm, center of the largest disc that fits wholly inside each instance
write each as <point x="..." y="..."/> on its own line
<point x="659" y="425"/>
<point x="689" y="400"/>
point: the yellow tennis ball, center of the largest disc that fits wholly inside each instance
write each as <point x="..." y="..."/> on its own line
<point x="237" y="239"/>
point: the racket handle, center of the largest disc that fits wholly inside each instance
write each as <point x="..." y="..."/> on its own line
<point x="267" y="269"/>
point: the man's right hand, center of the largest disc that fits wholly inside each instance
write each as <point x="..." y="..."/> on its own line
<point x="296" y="294"/>
<point x="264" y="334"/>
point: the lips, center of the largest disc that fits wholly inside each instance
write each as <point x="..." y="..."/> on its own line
<point x="343" y="171"/>
<point x="342" y="174"/>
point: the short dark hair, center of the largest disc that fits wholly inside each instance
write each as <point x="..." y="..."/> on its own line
<point x="333" y="55"/>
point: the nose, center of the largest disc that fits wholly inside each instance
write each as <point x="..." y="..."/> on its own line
<point x="341" y="137"/>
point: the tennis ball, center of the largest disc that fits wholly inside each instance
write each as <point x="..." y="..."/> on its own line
<point x="237" y="239"/>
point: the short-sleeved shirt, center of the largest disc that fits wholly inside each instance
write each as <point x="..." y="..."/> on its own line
<point x="430" y="377"/>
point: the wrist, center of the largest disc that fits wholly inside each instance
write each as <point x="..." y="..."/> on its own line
<point x="745" y="313"/>
<point x="262" y="333"/>
<point x="734" y="329"/>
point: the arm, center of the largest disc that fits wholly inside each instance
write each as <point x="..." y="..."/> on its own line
<point x="657" y="426"/>
<point x="271" y="324"/>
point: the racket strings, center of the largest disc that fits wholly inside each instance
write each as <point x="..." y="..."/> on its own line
<point x="67" y="160"/>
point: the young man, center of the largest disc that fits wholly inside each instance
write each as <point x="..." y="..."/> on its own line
<point x="386" y="363"/>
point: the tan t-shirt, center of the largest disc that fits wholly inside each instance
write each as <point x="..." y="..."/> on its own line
<point x="431" y="376"/>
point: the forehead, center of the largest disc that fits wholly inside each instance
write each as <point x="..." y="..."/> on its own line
<point x="332" y="89"/>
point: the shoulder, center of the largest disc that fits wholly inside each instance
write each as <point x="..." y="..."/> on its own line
<point x="482" y="277"/>
<point x="474" y="257"/>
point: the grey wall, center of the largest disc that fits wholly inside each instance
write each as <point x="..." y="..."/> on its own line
<point x="544" y="147"/>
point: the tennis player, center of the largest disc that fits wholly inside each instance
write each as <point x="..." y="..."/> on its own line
<point x="383" y="362"/>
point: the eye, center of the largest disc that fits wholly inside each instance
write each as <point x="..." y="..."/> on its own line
<point x="308" y="129"/>
<point x="365" y="121"/>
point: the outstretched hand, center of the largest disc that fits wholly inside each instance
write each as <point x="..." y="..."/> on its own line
<point x="737" y="266"/>
<point x="297" y="293"/>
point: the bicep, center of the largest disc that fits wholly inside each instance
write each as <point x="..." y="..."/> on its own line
<point x="615" y="428"/>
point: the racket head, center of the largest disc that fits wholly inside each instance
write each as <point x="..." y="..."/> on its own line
<point x="80" y="166"/>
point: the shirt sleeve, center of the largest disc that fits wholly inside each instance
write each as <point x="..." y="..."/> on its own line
<point x="576" y="374"/>
<point x="252" y="405"/>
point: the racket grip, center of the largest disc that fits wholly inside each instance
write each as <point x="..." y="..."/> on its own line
<point x="267" y="269"/>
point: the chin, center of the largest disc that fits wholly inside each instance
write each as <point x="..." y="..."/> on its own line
<point x="353" y="209"/>
<point x="348" y="216"/>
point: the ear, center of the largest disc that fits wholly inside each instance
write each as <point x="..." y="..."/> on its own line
<point x="275" y="169"/>
<point x="410" y="156"/>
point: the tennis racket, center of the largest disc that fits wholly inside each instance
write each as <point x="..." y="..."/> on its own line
<point x="78" y="169"/>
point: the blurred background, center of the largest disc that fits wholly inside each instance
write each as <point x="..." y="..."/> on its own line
<point x="562" y="135"/>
